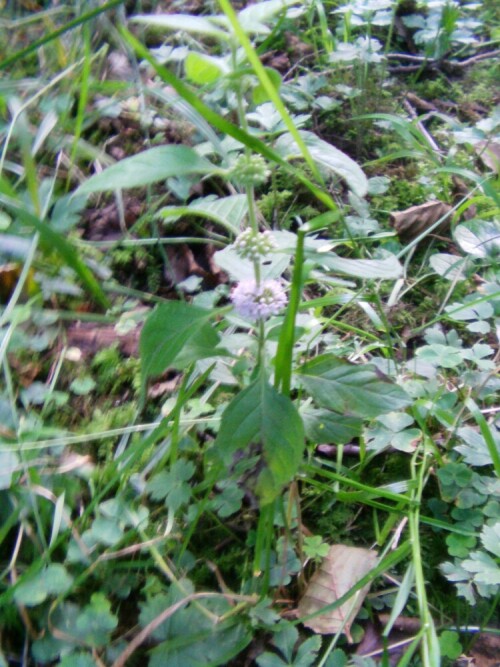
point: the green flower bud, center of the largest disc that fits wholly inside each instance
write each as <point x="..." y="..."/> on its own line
<point x="252" y="245"/>
<point x="250" y="170"/>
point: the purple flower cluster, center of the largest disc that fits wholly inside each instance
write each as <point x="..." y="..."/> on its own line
<point x="258" y="301"/>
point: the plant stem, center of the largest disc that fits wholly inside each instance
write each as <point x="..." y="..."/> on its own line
<point x="430" y="652"/>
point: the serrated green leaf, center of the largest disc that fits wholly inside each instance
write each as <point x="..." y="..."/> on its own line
<point x="189" y="638"/>
<point x="440" y="355"/>
<point x="169" y="327"/>
<point x="243" y="269"/>
<point x="150" y="166"/>
<point x="483" y="567"/>
<point x="490" y="537"/>
<point x="51" y="580"/>
<point x="106" y="531"/>
<point x="350" y="389"/>
<point x="182" y="22"/>
<point x="202" y="648"/>
<point x="226" y="211"/>
<point x="460" y="545"/>
<point x="229" y="501"/>
<point x="203" y="69"/>
<point x="479" y="238"/>
<point x="307" y="652"/>
<point x="260" y="415"/>
<point x="254" y="17"/>
<point x="96" y="622"/>
<point x="455" y="475"/>
<point x="270" y="660"/>
<point x="171" y="485"/>
<point x="285" y="640"/>
<point x="330" y="427"/>
<point x="450" y="645"/>
<point x="474" y="448"/>
<point x="388" y="268"/>
<point x="327" y="156"/>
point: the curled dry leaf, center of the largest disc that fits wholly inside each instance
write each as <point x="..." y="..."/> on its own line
<point x="411" y="222"/>
<point x="342" y="568"/>
<point x="489" y="154"/>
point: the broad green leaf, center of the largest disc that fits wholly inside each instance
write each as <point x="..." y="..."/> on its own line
<point x="285" y="641"/>
<point x="447" y="266"/>
<point x="351" y="389"/>
<point x="203" y="69"/>
<point x="226" y="211"/>
<point x="260" y="415"/>
<point x="479" y="238"/>
<point x="243" y="269"/>
<point x="484" y="568"/>
<point x="229" y="499"/>
<point x="327" y="156"/>
<point x="444" y="356"/>
<point x="490" y="537"/>
<point x="201" y="344"/>
<point x="253" y="17"/>
<point x="450" y="645"/>
<point x="460" y="545"/>
<point x="474" y="450"/>
<point x="169" y="327"/>
<point x="96" y="622"/>
<point x="330" y="427"/>
<point x="171" y="485"/>
<point x="456" y="475"/>
<point x="51" y="580"/>
<point x="106" y="531"/>
<point x="202" y="648"/>
<point x="150" y="166"/>
<point x="470" y="309"/>
<point x="189" y="638"/>
<point x="182" y="22"/>
<point x="308" y="652"/>
<point x="388" y="268"/>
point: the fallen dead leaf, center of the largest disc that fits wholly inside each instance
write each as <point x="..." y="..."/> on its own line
<point x="342" y="568"/>
<point x="489" y="154"/>
<point x="411" y="222"/>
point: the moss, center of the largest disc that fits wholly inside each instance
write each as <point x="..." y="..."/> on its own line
<point x="113" y="373"/>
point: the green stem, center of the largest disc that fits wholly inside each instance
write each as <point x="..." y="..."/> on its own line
<point x="430" y="647"/>
<point x="284" y="355"/>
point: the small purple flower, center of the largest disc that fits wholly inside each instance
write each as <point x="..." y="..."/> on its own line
<point x="258" y="301"/>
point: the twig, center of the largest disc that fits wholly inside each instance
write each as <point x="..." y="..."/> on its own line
<point x="436" y="63"/>
<point x="475" y="59"/>
<point x="422" y="128"/>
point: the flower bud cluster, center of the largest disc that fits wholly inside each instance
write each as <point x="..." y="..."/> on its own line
<point x="254" y="245"/>
<point x="258" y="301"/>
<point x="250" y="170"/>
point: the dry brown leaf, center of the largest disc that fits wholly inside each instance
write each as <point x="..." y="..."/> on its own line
<point x="489" y="154"/>
<point x="413" y="221"/>
<point x="340" y="570"/>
